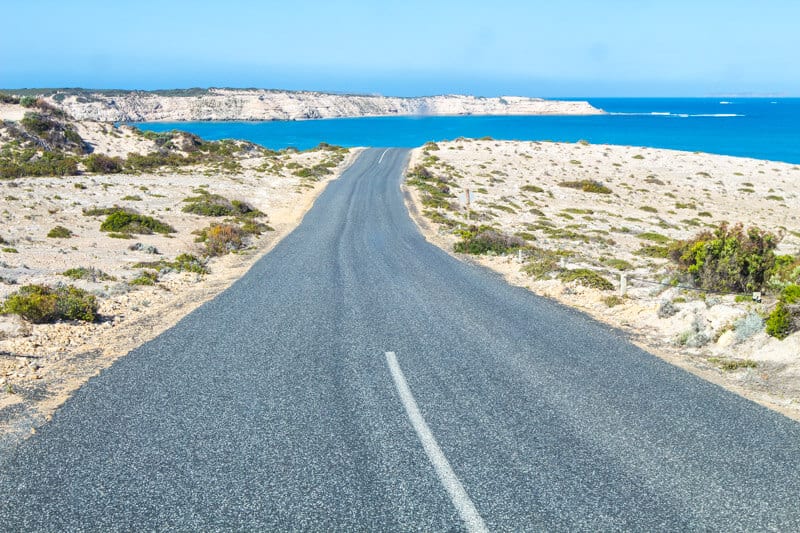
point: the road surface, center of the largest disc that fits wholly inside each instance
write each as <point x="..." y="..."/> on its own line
<point x="358" y="378"/>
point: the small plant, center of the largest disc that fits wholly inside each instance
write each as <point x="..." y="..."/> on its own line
<point x="586" y="186"/>
<point x="638" y="156"/>
<point x="649" y="209"/>
<point x="618" y="264"/>
<point x="587" y="278"/>
<point x="214" y="205"/>
<point x="747" y="326"/>
<point x="131" y="198"/>
<point x="667" y="309"/>
<point x="89" y="274"/>
<point x="41" y="304"/>
<point x="127" y="222"/>
<point x="613" y="301"/>
<point x="59" y="232"/>
<point x="785" y="318"/>
<point x="531" y="188"/>
<point x="655" y="237"/>
<point x="483" y="240"/>
<point x="729" y="365"/>
<point x="653" y="250"/>
<point x="103" y="164"/>
<point x="221" y="239"/>
<point x="146" y="277"/>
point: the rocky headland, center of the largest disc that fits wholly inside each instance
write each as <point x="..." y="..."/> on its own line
<point x="260" y="104"/>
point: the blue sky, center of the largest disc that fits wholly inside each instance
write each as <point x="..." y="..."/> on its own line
<point x="534" y="48"/>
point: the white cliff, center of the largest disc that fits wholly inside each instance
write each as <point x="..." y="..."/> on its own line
<point x="259" y="104"/>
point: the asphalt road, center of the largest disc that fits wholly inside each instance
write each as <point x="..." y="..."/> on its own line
<point x="276" y="407"/>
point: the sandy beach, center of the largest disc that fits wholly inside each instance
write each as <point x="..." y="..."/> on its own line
<point x="656" y="197"/>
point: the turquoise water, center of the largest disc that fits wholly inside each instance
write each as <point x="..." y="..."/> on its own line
<point x="763" y="128"/>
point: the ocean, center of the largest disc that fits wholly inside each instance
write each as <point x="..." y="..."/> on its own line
<point x="762" y="128"/>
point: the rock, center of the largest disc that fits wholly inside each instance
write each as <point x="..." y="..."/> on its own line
<point x="726" y="339"/>
<point x="12" y="326"/>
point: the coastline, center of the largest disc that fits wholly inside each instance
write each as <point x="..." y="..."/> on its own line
<point x="262" y="105"/>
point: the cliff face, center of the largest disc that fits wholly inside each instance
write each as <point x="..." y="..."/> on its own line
<point x="232" y="104"/>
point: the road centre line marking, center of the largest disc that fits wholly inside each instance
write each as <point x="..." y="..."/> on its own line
<point x="461" y="500"/>
<point x="383" y="154"/>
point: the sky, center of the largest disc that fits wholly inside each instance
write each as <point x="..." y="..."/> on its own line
<point x="531" y="48"/>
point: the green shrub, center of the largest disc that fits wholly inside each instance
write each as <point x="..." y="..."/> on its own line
<point x="785" y="318"/>
<point x="654" y="251"/>
<point x="41" y="304"/>
<point x="127" y="222"/>
<point x="59" y="232"/>
<point x="618" y="264"/>
<point x="531" y="188"/>
<point x="182" y="263"/>
<point x="189" y="263"/>
<point x="779" y="322"/>
<point x="791" y="294"/>
<point x="481" y="241"/>
<point x="146" y="277"/>
<point x="727" y="259"/>
<point x="541" y="262"/>
<point x="215" y="205"/>
<point x="586" y="186"/>
<point x="613" y="301"/>
<point x="655" y="237"/>
<point x="221" y="239"/>
<point x="103" y="164"/>
<point x="90" y="274"/>
<point x="587" y="278"/>
<point x="8" y="99"/>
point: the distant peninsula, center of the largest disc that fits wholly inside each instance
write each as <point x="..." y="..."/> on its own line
<point x="185" y="105"/>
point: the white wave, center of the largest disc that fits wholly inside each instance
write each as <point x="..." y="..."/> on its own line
<point x="678" y="115"/>
<point x="725" y="102"/>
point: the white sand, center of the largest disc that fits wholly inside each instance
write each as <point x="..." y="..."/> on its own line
<point x="50" y="361"/>
<point x="681" y="193"/>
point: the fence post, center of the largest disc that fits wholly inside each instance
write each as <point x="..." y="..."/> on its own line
<point x="623" y="284"/>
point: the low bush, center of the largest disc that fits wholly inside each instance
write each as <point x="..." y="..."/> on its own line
<point x="103" y="164"/>
<point x="785" y="318"/>
<point x="145" y="278"/>
<point x="215" y="205"/>
<point x="59" y="232"/>
<point x="182" y="263"/>
<point x="747" y="326"/>
<point x="8" y="99"/>
<point x="480" y="241"/>
<point x="221" y="239"/>
<point x="587" y="278"/>
<point x="586" y="186"/>
<point x="89" y="274"/>
<point x="653" y="250"/>
<point x="41" y="304"/>
<point x="667" y="309"/>
<point x="127" y="222"/>
<point x="727" y="259"/>
<point x="541" y="262"/>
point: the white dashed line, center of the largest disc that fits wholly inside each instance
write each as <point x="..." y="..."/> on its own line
<point x="383" y="154"/>
<point x="461" y="500"/>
